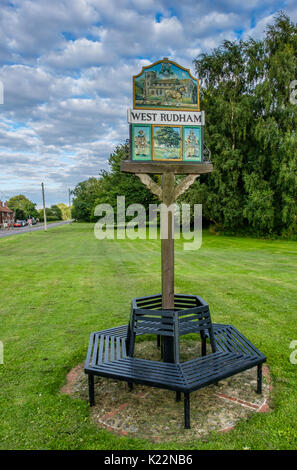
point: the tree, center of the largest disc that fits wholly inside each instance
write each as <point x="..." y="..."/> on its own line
<point x="168" y="136"/>
<point x="66" y="211"/>
<point x="85" y="194"/>
<point x="110" y="184"/>
<point x="251" y="131"/>
<point x="52" y="213"/>
<point x="116" y="183"/>
<point x="56" y="212"/>
<point x="22" y="207"/>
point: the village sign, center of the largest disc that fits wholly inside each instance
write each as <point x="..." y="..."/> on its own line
<point x="166" y="123"/>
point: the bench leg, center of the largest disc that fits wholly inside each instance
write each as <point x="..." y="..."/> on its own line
<point x="203" y="346"/>
<point x="131" y="345"/>
<point x="187" y="410"/>
<point x="91" y="389"/>
<point x="158" y="341"/>
<point x="259" y="378"/>
<point x="178" y="396"/>
<point x="130" y="385"/>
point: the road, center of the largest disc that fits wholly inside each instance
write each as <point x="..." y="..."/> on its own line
<point x="26" y="229"/>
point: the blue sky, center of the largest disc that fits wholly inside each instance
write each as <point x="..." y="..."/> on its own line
<point x="67" y="68"/>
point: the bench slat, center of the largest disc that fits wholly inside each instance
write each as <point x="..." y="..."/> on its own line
<point x="112" y="348"/>
<point x="118" y="348"/>
<point x="95" y="350"/>
<point x="101" y="348"/>
<point x="131" y="373"/>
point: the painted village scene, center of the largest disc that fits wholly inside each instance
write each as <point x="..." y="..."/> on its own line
<point x="167" y="85"/>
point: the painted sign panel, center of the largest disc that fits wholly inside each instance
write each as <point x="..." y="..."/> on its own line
<point x="182" y="118"/>
<point x="192" y="144"/>
<point x="167" y="142"/>
<point x="165" y="85"/>
<point x="141" y="142"/>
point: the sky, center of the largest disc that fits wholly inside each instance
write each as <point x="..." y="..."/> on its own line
<point x="66" y="67"/>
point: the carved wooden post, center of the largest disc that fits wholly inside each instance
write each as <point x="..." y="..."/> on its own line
<point x="167" y="255"/>
<point x="167" y="241"/>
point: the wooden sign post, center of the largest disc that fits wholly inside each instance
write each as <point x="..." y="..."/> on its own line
<point x="166" y="138"/>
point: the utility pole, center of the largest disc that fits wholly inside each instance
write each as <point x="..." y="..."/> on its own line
<point x="69" y="194"/>
<point x="44" y="213"/>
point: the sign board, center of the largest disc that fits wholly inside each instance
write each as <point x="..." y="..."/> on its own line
<point x="136" y="116"/>
<point x="166" y="123"/>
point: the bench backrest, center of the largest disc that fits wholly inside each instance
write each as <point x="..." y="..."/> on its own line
<point x="190" y="315"/>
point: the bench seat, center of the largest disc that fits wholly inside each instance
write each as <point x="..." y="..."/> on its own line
<point x="107" y="357"/>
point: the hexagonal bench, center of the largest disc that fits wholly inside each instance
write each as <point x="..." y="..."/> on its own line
<point x="110" y="352"/>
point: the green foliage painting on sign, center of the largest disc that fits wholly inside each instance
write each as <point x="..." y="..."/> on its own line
<point x="167" y="142"/>
<point x="169" y="136"/>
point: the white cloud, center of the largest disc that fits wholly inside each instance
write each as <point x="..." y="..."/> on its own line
<point x="79" y="54"/>
<point x="257" y="31"/>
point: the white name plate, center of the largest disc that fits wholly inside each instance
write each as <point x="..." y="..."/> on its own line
<point x="153" y="116"/>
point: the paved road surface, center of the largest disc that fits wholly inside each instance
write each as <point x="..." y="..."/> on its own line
<point x="26" y="229"/>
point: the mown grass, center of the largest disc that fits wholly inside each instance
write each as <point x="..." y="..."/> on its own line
<point x="58" y="286"/>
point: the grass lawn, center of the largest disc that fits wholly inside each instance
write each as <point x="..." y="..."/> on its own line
<point x="58" y="286"/>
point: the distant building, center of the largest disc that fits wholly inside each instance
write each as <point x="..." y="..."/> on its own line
<point x="6" y="215"/>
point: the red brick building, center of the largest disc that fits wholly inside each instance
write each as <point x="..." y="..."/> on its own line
<point x="6" y="215"/>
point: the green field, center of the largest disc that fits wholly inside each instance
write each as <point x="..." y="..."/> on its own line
<point x="58" y="286"/>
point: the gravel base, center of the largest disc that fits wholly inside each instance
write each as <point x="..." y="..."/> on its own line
<point x="153" y="414"/>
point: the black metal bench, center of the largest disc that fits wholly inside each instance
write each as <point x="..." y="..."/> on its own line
<point x="110" y="352"/>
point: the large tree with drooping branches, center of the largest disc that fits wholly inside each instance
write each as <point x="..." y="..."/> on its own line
<point x="251" y="131"/>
